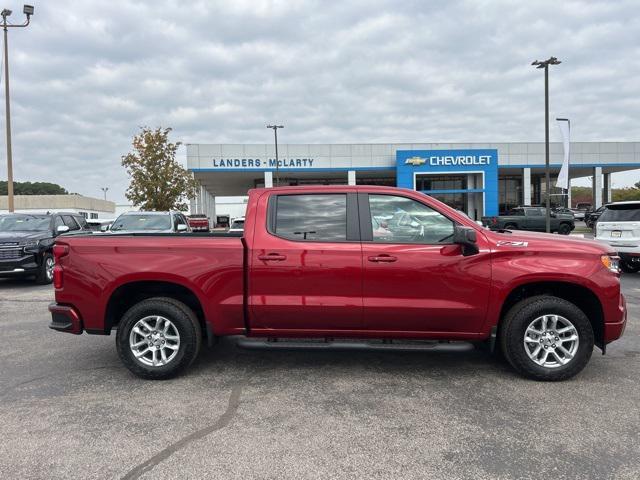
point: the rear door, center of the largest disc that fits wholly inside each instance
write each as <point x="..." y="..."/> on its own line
<point x="415" y="278"/>
<point x="306" y="263"/>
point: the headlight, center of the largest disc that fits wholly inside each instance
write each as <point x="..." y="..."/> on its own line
<point x="611" y="263"/>
<point x="31" y="245"/>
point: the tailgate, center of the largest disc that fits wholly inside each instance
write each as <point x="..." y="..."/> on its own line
<point x="623" y="232"/>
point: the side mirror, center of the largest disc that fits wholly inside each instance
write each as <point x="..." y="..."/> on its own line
<point x="553" y="215"/>
<point x="104" y="228"/>
<point x="467" y="238"/>
<point x="62" y="229"/>
<point x="181" y="227"/>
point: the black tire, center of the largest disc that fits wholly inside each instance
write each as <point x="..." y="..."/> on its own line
<point x="185" y="322"/>
<point x="45" y="272"/>
<point x="510" y="226"/>
<point x="521" y="315"/>
<point x="628" y="268"/>
<point x="564" y="229"/>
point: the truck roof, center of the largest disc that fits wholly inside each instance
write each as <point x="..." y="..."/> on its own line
<point x="329" y="188"/>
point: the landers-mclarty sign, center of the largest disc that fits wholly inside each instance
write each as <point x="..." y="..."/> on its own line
<point x="262" y="163"/>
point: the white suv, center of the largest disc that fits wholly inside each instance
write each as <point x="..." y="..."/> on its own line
<point x="619" y="226"/>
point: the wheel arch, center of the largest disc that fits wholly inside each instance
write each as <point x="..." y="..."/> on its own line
<point x="130" y="293"/>
<point x="583" y="297"/>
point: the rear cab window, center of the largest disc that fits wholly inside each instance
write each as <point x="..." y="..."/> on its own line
<point x="621" y="213"/>
<point x="310" y="217"/>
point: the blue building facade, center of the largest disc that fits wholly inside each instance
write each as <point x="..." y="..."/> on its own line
<point x="465" y="179"/>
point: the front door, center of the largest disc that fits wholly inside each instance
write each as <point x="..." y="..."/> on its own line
<point x="306" y="266"/>
<point x="415" y="278"/>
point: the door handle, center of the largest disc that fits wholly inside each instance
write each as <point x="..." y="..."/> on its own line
<point x="384" y="258"/>
<point x="276" y="257"/>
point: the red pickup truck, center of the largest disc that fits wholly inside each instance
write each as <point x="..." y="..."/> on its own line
<point x="343" y="262"/>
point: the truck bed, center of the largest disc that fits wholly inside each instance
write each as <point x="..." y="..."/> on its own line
<point x="97" y="265"/>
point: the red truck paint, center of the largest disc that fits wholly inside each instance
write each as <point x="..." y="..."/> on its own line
<point x="244" y="290"/>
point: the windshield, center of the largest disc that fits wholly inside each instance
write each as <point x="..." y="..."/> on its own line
<point x="20" y="223"/>
<point x="621" y="213"/>
<point x="142" y="222"/>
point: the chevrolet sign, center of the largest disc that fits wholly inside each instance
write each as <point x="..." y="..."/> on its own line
<point x="415" y="161"/>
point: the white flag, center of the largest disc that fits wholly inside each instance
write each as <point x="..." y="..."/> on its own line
<point x="563" y="176"/>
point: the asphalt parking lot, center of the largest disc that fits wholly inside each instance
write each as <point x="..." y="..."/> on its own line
<point x="68" y="409"/>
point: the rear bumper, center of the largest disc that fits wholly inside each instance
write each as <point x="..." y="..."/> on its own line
<point x="614" y="330"/>
<point x="65" y="319"/>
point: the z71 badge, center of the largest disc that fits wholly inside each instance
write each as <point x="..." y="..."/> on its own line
<point x="511" y="243"/>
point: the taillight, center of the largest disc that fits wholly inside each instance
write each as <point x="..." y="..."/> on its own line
<point x="494" y="220"/>
<point x="57" y="276"/>
<point x="59" y="251"/>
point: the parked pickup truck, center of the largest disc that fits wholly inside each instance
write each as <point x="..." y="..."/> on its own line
<point x="343" y="262"/>
<point x="531" y="218"/>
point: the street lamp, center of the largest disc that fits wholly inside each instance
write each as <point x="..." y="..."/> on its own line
<point x="545" y="64"/>
<point x="28" y="11"/>
<point x="275" y="135"/>
<point x="104" y="190"/>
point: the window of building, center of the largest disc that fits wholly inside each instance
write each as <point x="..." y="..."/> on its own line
<point x="317" y="218"/>
<point x="94" y="216"/>
<point x="403" y="220"/>
<point x="441" y="182"/>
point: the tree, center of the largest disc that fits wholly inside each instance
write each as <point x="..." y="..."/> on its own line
<point x="33" y="188"/>
<point x="158" y="181"/>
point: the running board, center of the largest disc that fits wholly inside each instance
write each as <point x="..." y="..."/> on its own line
<point x="333" y="344"/>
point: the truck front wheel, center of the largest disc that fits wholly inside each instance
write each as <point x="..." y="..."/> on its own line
<point x="546" y="338"/>
<point x="158" y="338"/>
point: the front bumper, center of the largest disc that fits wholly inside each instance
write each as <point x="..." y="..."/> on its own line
<point x="65" y="319"/>
<point x="614" y="330"/>
<point x="25" y="265"/>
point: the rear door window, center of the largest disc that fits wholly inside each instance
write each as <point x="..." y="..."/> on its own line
<point x="311" y="218"/>
<point x="621" y="213"/>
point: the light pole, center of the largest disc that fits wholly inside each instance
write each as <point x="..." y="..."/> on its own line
<point x="275" y="136"/>
<point x="105" y="190"/>
<point x="28" y="11"/>
<point x="545" y="64"/>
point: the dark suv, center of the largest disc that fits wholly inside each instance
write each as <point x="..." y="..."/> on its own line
<point x="26" y="241"/>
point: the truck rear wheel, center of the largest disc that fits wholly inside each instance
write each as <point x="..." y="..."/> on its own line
<point x="158" y="338"/>
<point x="546" y="338"/>
<point x="510" y="226"/>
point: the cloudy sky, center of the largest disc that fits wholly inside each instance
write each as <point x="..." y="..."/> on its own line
<point x="86" y="75"/>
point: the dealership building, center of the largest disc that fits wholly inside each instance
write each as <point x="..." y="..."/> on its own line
<point x="477" y="178"/>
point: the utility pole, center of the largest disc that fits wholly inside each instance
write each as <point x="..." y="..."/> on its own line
<point x="105" y="190"/>
<point x="545" y="64"/>
<point x="275" y="135"/>
<point x="28" y="11"/>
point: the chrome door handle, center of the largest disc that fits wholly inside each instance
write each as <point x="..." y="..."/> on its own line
<point x="383" y="258"/>
<point x="272" y="257"/>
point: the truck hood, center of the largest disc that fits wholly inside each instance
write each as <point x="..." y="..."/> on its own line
<point x="546" y="241"/>
<point x="22" y="237"/>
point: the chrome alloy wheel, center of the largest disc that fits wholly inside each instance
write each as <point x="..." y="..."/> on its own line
<point x="551" y="341"/>
<point x="48" y="267"/>
<point x="154" y="341"/>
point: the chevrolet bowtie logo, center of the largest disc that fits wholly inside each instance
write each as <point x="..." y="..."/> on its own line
<point x="415" y="161"/>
